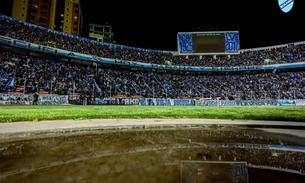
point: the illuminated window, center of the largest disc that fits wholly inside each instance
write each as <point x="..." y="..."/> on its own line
<point x="75" y="17"/>
<point x="62" y="15"/>
<point x="35" y="5"/>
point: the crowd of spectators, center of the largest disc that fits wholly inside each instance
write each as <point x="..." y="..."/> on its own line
<point x="64" y="78"/>
<point x="34" y="34"/>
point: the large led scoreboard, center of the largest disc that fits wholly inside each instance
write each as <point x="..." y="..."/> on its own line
<point x="208" y="43"/>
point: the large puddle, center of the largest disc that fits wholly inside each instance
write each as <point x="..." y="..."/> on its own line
<point x="186" y="155"/>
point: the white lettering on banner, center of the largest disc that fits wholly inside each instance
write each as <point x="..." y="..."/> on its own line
<point x="9" y="99"/>
<point x="53" y="100"/>
<point x="207" y="103"/>
<point x="164" y="102"/>
<point x="60" y="100"/>
<point x="184" y="102"/>
<point x="286" y="102"/>
<point x="114" y="101"/>
<point x="105" y="101"/>
<point x="131" y="101"/>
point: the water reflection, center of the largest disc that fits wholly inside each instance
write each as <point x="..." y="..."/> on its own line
<point x="153" y="155"/>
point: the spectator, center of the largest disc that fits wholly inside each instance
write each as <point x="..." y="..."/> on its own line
<point x="36" y="95"/>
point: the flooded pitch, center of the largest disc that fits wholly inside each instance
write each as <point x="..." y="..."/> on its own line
<point x="197" y="154"/>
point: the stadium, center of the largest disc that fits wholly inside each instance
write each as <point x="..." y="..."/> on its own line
<point x="114" y="113"/>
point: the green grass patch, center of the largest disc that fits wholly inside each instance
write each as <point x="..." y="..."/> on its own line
<point x="38" y="113"/>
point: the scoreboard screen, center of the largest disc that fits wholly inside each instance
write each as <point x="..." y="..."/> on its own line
<point x="208" y="43"/>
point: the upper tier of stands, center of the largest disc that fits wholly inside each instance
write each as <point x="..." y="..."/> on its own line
<point x="31" y="33"/>
<point x="26" y="73"/>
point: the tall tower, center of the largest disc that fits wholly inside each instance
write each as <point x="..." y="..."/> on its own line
<point x="60" y="15"/>
<point x="68" y="17"/>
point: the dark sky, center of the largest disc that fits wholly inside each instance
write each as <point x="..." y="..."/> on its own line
<point x="155" y="24"/>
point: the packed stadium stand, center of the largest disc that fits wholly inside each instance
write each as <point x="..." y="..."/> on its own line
<point x="26" y="72"/>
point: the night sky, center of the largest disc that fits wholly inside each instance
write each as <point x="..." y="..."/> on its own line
<point x="155" y="24"/>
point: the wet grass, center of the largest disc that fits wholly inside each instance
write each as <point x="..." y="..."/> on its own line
<point x="38" y="113"/>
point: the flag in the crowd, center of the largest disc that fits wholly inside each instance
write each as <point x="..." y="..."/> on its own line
<point x="151" y="91"/>
<point x="11" y="82"/>
<point x="98" y="89"/>
<point x="70" y="75"/>
<point x="47" y="85"/>
<point x="73" y="85"/>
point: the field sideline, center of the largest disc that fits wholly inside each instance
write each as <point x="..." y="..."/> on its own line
<point x="38" y="113"/>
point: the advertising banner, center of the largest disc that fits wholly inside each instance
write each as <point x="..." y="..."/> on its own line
<point x="286" y="102"/>
<point x="24" y="99"/>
